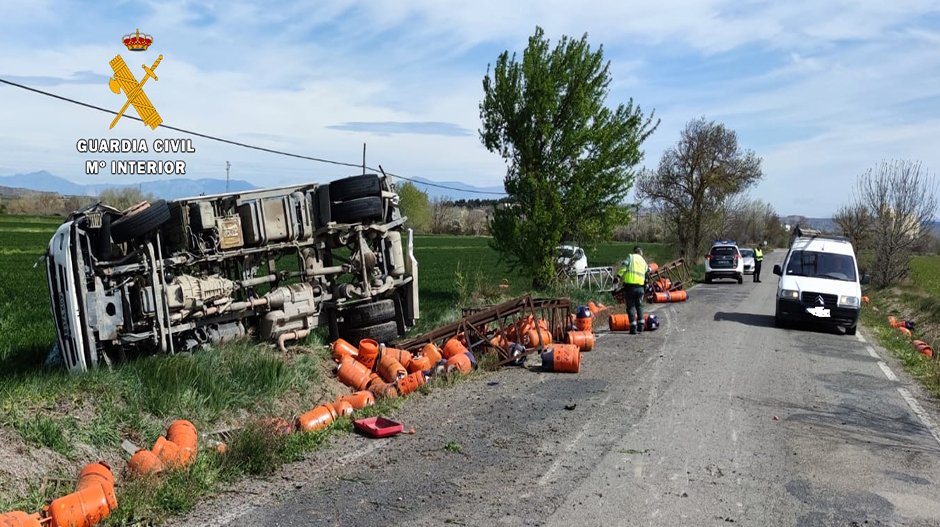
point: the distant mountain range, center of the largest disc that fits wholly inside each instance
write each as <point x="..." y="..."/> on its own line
<point x="43" y="181"/>
<point x="456" y="191"/>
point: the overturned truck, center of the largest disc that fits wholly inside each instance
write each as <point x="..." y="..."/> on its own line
<point x="171" y="276"/>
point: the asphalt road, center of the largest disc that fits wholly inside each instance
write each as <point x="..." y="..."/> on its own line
<point x="718" y="417"/>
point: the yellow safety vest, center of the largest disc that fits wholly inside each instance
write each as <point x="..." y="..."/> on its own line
<point x="758" y="255"/>
<point x="633" y="270"/>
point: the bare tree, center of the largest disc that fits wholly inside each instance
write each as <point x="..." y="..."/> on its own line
<point x="695" y="178"/>
<point x="902" y="200"/>
<point x="439" y="216"/>
<point x="856" y="223"/>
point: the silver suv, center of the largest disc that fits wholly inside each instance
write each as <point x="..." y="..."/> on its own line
<point x="724" y="261"/>
<point x="171" y="276"/>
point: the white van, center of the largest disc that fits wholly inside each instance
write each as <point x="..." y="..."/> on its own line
<point x="819" y="282"/>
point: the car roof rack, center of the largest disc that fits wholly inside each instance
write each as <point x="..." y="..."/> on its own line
<point x="725" y="242"/>
<point x="802" y="232"/>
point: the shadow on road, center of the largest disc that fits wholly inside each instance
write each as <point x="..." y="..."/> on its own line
<point x="748" y="319"/>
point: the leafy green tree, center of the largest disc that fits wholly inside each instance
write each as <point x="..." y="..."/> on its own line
<point x="416" y="206"/>
<point x="570" y="158"/>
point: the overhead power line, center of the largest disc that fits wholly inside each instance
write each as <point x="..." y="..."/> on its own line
<point x="245" y="145"/>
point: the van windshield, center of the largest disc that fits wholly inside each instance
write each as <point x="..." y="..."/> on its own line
<point x="822" y="265"/>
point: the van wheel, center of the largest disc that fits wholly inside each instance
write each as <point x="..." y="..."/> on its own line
<point x="740" y="279"/>
<point x="708" y="279"/>
<point x="852" y="330"/>
<point x="136" y="224"/>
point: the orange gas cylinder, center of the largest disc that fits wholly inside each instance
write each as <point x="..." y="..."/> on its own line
<point x="20" y="519"/>
<point x="368" y="353"/>
<point x="584" y="340"/>
<point x="144" y="462"/>
<point x="904" y="330"/>
<point x="531" y="338"/>
<point x="460" y="363"/>
<point x="353" y="373"/>
<point x="411" y="382"/>
<point x="358" y="400"/>
<point x="183" y="433"/>
<point x="619" y="322"/>
<point x="653" y="267"/>
<point x="403" y="357"/>
<point x="925" y="349"/>
<point x="420" y="363"/>
<point x="390" y="370"/>
<point x="167" y="451"/>
<point x="88" y="505"/>
<point x="343" y="408"/>
<point x="319" y="417"/>
<point x="432" y="352"/>
<point x="383" y="390"/>
<point x="452" y="348"/>
<point x="893" y="321"/>
<point x="499" y="342"/>
<point x="584" y="324"/>
<point x="678" y="296"/>
<point x="277" y="426"/>
<point x="596" y="308"/>
<point x="340" y="348"/>
<point x="562" y="358"/>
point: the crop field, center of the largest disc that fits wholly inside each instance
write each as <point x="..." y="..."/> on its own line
<point x="925" y="271"/>
<point x="73" y="419"/>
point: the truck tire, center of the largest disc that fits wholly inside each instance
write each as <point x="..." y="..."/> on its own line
<point x="369" y="314"/>
<point x="355" y="187"/>
<point x="383" y="333"/>
<point x="142" y="222"/>
<point x="359" y="210"/>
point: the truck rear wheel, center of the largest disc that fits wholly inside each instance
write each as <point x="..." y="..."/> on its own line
<point x="382" y="333"/>
<point x="139" y="223"/>
<point x="370" y="314"/>
<point x="355" y="187"/>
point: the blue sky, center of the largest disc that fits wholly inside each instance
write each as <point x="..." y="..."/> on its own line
<point x="821" y="90"/>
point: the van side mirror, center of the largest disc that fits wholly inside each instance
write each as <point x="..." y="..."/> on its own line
<point x="777" y="270"/>
<point x="866" y="279"/>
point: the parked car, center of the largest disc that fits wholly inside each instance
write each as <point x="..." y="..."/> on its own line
<point x="570" y="259"/>
<point x="747" y="255"/>
<point x="724" y="261"/>
<point x="819" y="282"/>
<point x="170" y="276"/>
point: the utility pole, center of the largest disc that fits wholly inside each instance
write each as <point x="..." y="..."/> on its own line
<point x="227" y="166"/>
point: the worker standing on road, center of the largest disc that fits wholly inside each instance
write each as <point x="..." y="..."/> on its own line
<point x="632" y="274"/>
<point x="758" y="258"/>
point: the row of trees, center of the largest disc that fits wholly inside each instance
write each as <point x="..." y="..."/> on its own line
<point x="53" y="204"/>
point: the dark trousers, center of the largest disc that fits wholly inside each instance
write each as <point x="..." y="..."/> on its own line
<point x="757" y="271"/>
<point x="634" y="296"/>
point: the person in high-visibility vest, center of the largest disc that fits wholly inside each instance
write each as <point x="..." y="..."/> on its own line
<point x="632" y="274"/>
<point x="758" y="258"/>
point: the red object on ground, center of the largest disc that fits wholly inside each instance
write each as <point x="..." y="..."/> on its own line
<point x="378" y="426"/>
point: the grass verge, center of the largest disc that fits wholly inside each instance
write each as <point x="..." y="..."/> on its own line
<point x="902" y="305"/>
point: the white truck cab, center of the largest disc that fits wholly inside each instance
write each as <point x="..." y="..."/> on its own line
<point x="819" y="281"/>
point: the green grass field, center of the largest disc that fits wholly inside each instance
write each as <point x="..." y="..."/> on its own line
<point x="229" y="386"/>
